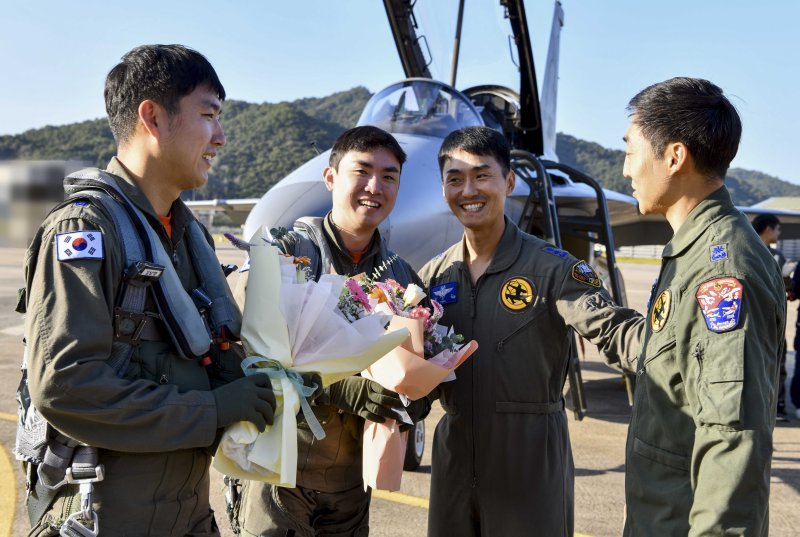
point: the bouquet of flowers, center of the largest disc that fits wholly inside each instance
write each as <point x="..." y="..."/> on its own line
<point x="292" y="325"/>
<point x="426" y="359"/>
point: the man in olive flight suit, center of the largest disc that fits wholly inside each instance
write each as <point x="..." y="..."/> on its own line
<point x="156" y="420"/>
<point x="502" y="461"/>
<point x="700" y="441"/>
<point x="364" y="178"/>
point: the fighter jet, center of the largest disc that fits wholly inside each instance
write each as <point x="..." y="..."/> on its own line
<point x="552" y="200"/>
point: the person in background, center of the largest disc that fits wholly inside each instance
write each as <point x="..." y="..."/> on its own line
<point x="794" y="387"/>
<point x="768" y="228"/>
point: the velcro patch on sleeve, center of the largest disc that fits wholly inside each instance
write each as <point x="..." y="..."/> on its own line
<point x="79" y="245"/>
<point x="583" y="273"/>
<point x="720" y="300"/>
<point x="446" y="293"/>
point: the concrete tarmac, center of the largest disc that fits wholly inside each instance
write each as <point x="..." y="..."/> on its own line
<point x="598" y="441"/>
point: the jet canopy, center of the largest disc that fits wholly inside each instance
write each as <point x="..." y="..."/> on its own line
<point x="420" y="106"/>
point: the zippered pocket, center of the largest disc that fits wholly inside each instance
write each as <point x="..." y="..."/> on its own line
<point x="525" y="324"/>
<point x="660" y="351"/>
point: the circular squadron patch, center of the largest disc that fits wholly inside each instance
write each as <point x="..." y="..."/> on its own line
<point x="661" y="309"/>
<point x="517" y="294"/>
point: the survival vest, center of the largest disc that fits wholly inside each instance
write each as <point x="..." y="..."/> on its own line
<point x="310" y="242"/>
<point x="192" y="319"/>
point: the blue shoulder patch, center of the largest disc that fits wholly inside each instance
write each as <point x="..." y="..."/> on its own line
<point x="555" y="251"/>
<point x="446" y="293"/>
<point x="719" y="251"/>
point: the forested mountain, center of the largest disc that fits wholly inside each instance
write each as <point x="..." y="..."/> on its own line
<point x="267" y="141"/>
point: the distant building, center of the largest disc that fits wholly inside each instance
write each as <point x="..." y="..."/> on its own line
<point x="28" y="190"/>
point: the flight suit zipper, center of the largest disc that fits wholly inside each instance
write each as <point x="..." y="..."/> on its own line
<point x="473" y="313"/>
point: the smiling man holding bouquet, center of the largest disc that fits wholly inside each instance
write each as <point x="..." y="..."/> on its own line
<point x="364" y="177"/>
<point x="502" y="462"/>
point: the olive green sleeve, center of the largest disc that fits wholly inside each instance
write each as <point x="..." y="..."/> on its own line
<point x="69" y="334"/>
<point x="591" y="311"/>
<point x="734" y="407"/>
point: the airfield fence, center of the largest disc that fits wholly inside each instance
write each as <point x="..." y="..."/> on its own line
<point x="643" y="251"/>
<point x="790" y="249"/>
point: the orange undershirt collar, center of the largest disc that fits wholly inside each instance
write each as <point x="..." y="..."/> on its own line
<point x="166" y="221"/>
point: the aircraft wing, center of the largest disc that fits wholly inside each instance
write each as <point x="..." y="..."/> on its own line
<point x="236" y="209"/>
<point x="631" y="228"/>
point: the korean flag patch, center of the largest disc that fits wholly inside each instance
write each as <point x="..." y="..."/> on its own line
<point x="79" y="245"/>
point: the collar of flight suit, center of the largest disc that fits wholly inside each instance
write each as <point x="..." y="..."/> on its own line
<point x="181" y="214"/>
<point x="698" y="222"/>
<point x="340" y="251"/>
<point x="507" y="250"/>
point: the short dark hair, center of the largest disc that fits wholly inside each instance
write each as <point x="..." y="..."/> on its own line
<point x="694" y="112"/>
<point x="483" y="141"/>
<point x="364" y="139"/>
<point x="161" y="73"/>
<point x="763" y="221"/>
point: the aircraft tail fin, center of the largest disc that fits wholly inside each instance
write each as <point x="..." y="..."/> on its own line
<point x="550" y="85"/>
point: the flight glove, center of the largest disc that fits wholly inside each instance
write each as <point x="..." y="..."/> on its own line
<point x="246" y="399"/>
<point x="362" y="397"/>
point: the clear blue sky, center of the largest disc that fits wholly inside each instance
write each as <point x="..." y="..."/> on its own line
<point x="56" y="55"/>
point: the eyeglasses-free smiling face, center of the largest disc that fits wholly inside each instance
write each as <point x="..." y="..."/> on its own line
<point x="475" y="188"/>
<point x="192" y="137"/>
<point x="364" y="188"/>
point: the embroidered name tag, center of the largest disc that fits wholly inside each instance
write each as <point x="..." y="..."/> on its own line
<point x="79" y="245"/>
<point x="720" y="301"/>
<point x="446" y="293"/>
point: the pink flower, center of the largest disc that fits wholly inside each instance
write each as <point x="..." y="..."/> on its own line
<point x="389" y="294"/>
<point x="438" y="311"/>
<point x="358" y="293"/>
<point x="424" y="315"/>
<point x="396" y="287"/>
<point x="420" y="312"/>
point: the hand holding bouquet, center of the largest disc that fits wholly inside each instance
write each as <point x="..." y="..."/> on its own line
<point x="293" y="326"/>
<point x="427" y="358"/>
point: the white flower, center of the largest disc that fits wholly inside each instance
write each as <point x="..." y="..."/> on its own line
<point x="413" y="295"/>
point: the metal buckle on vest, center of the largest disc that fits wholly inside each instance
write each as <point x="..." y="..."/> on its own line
<point x="144" y="271"/>
<point x="129" y="325"/>
<point x="72" y="526"/>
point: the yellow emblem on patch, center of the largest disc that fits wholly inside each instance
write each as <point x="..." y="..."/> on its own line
<point x="517" y="294"/>
<point x="661" y="310"/>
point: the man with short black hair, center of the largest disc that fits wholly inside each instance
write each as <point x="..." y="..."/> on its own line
<point x="363" y="176"/>
<point x="130" y="320"/>
<point x="700" y="441"/>
<point x="502" y="461"/>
